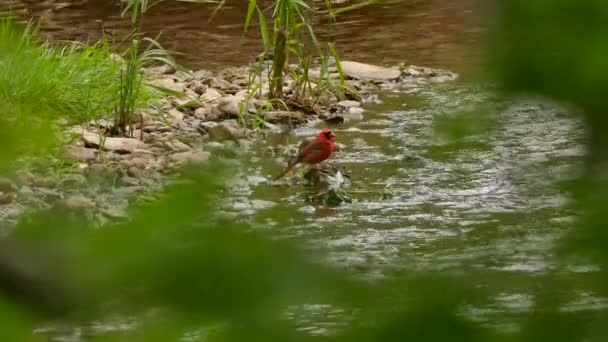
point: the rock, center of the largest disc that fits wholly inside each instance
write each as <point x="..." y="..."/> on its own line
<point x="78" y="202"/>
<point x="118" y="145"/>
<point x="355" y="113"/>
<point x="414" y="71"/>
<point x="115" y="212"/>
<point x="308" y="209"/>
<point x="209" y="114"/>
<point x="73" y="180"/>
<point x="46" y="182"/>
<point x="327" y="100"/>
<point x="79" y="153"/>
<point x="198" y="87"/>
<point x="26" y="191"/>
<point x="285" y="117"/>
<point x="206" y="126"/>
<point x="178" y="146"/>
<point x="369" y="72"/>
<point x="164" y="69"/>
<point x="25" y="177"/>
<point x="334" y="120"/>
<point x="226" y="130"/>
<point x="261" y="204"/>
<point x="211" y="95"/>
<point x="190" y="157"/>
<point x="202" y="74"/>
<point x="5" y="198"/>
<point x="168" y="84"/>
<point x="176" y="114"/>
<point x="7" y="186"/>
<point x="349" y="103"/>
<point x="234" y="106"/>
<point x="138" y="162"/>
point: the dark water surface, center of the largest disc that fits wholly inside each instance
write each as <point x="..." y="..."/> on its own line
<point x="439" y="33"/>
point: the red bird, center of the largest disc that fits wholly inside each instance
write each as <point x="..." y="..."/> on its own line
<point x="313" y="151"/>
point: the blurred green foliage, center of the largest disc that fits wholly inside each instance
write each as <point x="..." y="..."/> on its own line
<point x="200" y="271"/>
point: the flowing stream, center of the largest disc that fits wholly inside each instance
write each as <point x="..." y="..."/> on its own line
<point x="490" y="205"/>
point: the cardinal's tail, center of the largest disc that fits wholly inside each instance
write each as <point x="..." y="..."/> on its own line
<point x="289" y="167"/>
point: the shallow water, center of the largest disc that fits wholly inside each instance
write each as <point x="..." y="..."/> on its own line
<point x="491" y="205"/>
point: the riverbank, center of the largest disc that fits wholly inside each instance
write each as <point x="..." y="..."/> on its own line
<point x="218" y="114"/>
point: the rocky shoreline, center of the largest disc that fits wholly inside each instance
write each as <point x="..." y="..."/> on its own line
<point x="101" y="175"/>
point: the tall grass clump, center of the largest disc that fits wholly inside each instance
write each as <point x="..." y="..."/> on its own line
<point x="71" y="81"/>
<point x="292" y="29"/>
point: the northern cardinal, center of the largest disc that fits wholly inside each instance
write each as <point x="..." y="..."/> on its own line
<point x="313" y="151"/>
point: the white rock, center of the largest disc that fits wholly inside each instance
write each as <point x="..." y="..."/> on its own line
<point x="369" y="72"/>
<point x="349" y="104"/>
<point x="119" y="145"/>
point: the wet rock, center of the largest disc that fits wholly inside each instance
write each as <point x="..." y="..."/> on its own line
<point x="414" y="71"/>
<point x="79" y="153"/>
<point x="190" y="157"/>
<point x="261" y="204"/>
<point x="78" y="202"/>
<point x="176" y="114"/>
<point x="307" y="209"/>
<point x="331" y="197"/>
<point x="327" y="176"/>
<point x="348" y="104"/>
<point x="119" y="145"/>
<point x="369" y="72"/>
<point x="334" y="120"/>
<point x="355" y="113"/>
<point x="7" y="185"/>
